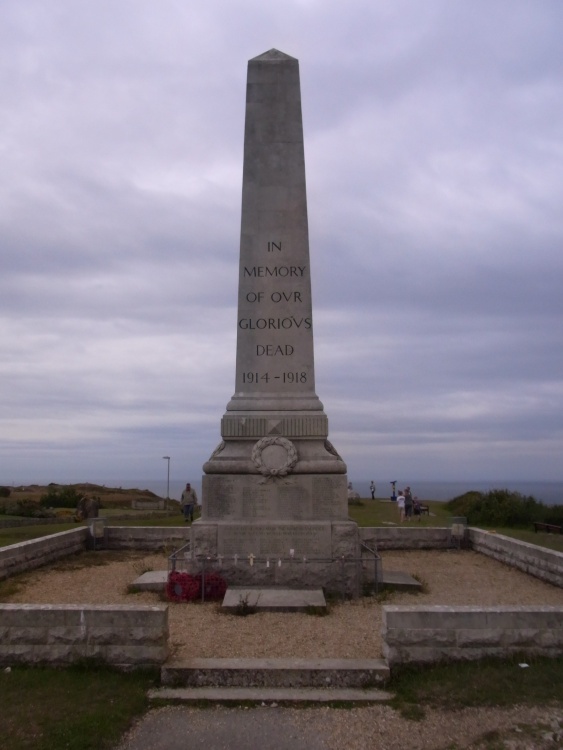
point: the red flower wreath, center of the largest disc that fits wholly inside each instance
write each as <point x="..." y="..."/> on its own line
<point x="214" y="587"/>
<point x="182" y="587"/>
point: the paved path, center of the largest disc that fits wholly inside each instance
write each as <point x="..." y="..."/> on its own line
<point x="220" y="728"/>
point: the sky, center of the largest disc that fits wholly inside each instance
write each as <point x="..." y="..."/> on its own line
<point x="434" y="157"/>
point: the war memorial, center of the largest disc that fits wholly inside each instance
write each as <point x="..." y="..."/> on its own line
<point x="275" y="512"/>
<point x="274" y="500"/>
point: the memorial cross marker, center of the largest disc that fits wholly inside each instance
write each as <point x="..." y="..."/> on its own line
<point x="275" y="483"/>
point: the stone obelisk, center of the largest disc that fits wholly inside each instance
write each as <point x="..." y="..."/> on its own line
<point x="275" y="487"/>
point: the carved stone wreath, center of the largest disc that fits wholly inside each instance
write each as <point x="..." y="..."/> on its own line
<point x="264" y="467"/>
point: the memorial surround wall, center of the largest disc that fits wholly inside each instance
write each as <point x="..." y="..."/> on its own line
<point x="124" y="636"/>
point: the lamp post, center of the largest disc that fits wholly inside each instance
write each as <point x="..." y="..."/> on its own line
<point x="167" y="458"/>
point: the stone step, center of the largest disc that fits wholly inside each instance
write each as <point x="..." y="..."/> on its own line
<point x="273" y="600"/>
<point x="275" y="673"/>
<point x="152" y="580"/>
<point x="399" y="581"/>
<point x="267" y="696"/>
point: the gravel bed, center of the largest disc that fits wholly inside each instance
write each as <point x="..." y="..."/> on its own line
<point x="351" y="629"/>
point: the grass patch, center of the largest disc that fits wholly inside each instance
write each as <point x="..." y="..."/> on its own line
<point x="490" y="682"/>
<point x="424" y="584"/>
<point x="549" y="541"/>
<point x="11" y="586"/>
<point x="382" y="513"/>
<point x="86" y="707"/>
<point x="25" y="533"/>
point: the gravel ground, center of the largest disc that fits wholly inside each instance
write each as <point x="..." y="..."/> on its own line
<point x="351" y="630"/>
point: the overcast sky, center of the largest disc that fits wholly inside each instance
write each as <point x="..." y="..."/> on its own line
<point x="434" y="157"/>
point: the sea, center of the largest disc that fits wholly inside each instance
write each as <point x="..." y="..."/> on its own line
<point x="550" y="493"/>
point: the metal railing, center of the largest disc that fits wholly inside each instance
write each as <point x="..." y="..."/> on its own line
<point x="265" y="566"/>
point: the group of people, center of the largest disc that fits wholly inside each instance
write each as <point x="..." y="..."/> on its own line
<point x="408" y="505"/>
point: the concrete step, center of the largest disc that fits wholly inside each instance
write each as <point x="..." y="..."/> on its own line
<point x="271" y="695"/>
<point x="275" y="673"/>
<point x="273" y="600"/>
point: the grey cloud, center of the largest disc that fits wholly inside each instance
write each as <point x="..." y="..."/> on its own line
<point x="434" y="162"/>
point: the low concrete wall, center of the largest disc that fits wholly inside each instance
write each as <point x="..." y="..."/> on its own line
<point x="406" y="537"/>
<point x="65" y="633"/>
<point x="439" y="633"/>
<point x="19" y="558"/>
<point x="536" y="561"/>
<point x="156" y="538"/>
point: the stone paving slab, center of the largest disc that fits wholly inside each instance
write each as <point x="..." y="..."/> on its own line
<point x="401" y="581"/>
<point x="274" y="600"/>
<point x="267" y="695"/>
<point x="153" y="580"/>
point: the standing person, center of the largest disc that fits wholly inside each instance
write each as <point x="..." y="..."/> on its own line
<point x="188" y="501"/>
<point x="408" y="502"/>
<point x="401" y="505"/>
<point x="372" y="489"/>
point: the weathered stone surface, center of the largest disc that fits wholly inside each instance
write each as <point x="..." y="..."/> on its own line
<point x="145" y="537"/>
<point x="537" y="561"/>
<point x="62" y="634"/>
<point x="428" y="634"/>
<point x="294" y="498"/>
<point x="24" y="556"/>
<point x="275" y="672"/>
<point x="273" y="600"/>
<point x="402" y="537"/>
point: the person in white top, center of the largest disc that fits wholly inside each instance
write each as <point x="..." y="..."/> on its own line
<point x="401" y="505"/>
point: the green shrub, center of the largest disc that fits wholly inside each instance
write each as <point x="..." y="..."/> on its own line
<point x="61" y="497"/>
<point x="28" y="509"/>
<point x="501" y="507"/>
<point x="5" y="491"/>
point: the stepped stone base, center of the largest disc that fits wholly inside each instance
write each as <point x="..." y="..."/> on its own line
<point x="290" y="554"/>
<point x="155" y="580"/>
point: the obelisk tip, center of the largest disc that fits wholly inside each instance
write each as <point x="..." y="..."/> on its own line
<point x="272" y="55"/>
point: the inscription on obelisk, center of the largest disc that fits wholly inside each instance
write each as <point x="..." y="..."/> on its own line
<point x="275" y="365"/>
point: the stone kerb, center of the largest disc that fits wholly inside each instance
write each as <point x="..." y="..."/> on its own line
<point x="536" y="561"/>
<point x="24" y="556"/>
<point x="440" y="633"/>
<point x="61" y="634"/>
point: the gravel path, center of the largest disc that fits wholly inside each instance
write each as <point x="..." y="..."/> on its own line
<point x="373" y="728"/>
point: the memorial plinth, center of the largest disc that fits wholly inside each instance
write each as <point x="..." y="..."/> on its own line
<point x="275" y="485"/>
